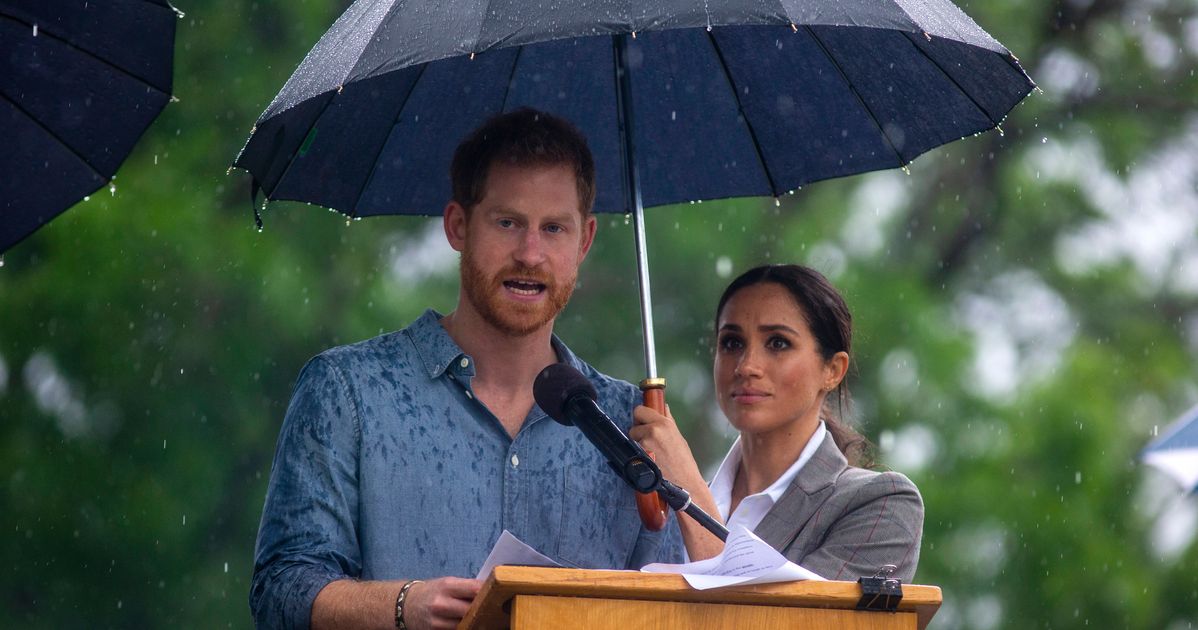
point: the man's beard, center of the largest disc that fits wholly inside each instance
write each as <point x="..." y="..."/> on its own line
<point x="510" y="317"/>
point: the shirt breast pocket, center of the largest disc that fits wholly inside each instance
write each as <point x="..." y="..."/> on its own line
<point x="600" y="523"/>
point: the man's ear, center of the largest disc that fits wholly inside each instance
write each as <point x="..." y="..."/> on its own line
<point x="589" y="226"/>
<point x="454" y="221"/>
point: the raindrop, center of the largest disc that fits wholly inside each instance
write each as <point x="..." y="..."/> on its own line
<point x="1000" y="131"/>
<point x="777" y="202"/>
<point x="793" y="27"/>
<point x="723" y="267"/>
<point x="35" y="30"/>
<point x="627" y="218"/>
<point x="1" y="261"/>
<point x="164" y="445"/>
<point x="634" y="34"/>
<point x="112" y="189"/>
<point x="906" y="171"/>
<point x="87" y="197"/>
<point x="226" y="567"/>
<point x="184" y="519"/>
<point x="709" y="28"/>
<point x="471" y="59"/>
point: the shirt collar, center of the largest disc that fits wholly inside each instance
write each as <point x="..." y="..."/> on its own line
<point x="721" y="483"/>
<point x="438" y="351"/>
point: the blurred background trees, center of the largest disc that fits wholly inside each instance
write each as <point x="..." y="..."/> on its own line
<point x="1026" y="308"/>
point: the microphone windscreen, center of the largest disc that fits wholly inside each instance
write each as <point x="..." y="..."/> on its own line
<point x="557" y="384"/>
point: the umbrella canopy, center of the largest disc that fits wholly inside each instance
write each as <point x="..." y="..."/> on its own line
<point x="724" y="98"/>
<point x="80" y="81"/>
<point x="1176" y="452"/>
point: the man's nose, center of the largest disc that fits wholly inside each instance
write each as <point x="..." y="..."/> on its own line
<point x="531" y="249"/>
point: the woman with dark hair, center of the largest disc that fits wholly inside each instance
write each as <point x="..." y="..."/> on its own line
<point x="797" y="474"/>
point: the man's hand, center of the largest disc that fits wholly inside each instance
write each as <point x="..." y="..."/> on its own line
<point x="439" y="604"/>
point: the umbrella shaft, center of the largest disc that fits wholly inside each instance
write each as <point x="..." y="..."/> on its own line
<point x="632" y="185"/>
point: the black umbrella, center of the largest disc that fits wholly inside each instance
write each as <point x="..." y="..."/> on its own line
<point x="680" y="100"/>
<point x="80" y="81"/>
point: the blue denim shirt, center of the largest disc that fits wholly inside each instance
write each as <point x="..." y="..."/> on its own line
<point x="388" y="468"/>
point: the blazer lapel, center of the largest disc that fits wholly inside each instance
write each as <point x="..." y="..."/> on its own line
<point x="803" y="499"/>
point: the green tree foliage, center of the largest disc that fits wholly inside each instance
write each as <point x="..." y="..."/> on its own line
<point x="1026" y="310"/>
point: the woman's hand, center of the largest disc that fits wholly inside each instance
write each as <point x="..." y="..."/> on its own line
<point x="660" y="435"/>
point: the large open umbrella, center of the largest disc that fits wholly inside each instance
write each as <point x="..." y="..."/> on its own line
<point x="80" y="81"/>
<point x="681" y="100"/>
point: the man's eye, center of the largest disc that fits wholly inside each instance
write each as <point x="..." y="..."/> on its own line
<point x="554" y="229"/>
<point x="506" y="223"/>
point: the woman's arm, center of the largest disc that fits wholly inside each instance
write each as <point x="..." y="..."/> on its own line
<point x="659" y="434"/>
<point x="881" y="524"/>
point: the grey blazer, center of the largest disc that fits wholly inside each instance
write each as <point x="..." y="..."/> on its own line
<point x="844" y="522"/>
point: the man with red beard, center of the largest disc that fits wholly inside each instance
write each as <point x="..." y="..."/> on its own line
<point x="404" y="457"/>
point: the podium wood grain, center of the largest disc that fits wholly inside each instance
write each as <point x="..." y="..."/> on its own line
<point x="547" y="611"/>
<point x="522" y="595"/>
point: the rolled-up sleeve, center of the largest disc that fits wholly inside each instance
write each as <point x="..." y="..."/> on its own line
<point x="307" y="537"/>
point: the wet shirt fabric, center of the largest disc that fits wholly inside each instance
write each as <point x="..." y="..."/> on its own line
<point x="388" y="468"/>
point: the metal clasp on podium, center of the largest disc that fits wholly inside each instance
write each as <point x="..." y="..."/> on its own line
<point x="882" y="591"/>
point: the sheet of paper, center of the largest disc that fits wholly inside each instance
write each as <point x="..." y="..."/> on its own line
<point x="746" y="559"/>
<point x="511" y="550"/>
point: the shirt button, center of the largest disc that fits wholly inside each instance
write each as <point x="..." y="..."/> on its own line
<point x="464" y="362"/>
<point x="515" y="460"/>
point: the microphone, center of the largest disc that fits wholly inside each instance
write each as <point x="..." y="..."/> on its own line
<point x="569" y="398"/>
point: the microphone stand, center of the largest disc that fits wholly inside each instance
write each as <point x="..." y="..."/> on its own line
<point x="643" y="475"/>
<point x="680" y="501"/>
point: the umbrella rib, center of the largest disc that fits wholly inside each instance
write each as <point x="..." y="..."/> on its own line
<point x="950" y="77"/>
<point x="291" y="158"/>
<point x="740" y="107"/>
<point x="88" y="53"/>
<point x="374" y="164"/>
<point x="507" y="90"/>
<point x="51" y="133"/>
<point x="853" y="89"/>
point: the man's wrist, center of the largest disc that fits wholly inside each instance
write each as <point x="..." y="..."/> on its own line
<point x="401" y="600"/>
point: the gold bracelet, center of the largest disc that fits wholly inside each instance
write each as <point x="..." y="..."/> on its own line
<point x="399" y="602"/>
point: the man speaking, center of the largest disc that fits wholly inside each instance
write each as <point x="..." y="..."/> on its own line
<point x="402" y="458"/>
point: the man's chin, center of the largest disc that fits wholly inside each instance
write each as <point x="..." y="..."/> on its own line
<point x="520" y="320"/>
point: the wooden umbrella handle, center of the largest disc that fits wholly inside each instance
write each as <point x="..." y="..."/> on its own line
<point x="650" y="505"/>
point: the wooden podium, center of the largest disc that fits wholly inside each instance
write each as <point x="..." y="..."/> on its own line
<point x="524" y="598"/>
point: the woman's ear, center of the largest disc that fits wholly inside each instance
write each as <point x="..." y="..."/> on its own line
<point x="835" y="369"/>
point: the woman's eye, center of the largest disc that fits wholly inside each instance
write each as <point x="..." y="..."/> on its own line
<point x="777" y="343"/>
<point x="730" y="343"/>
